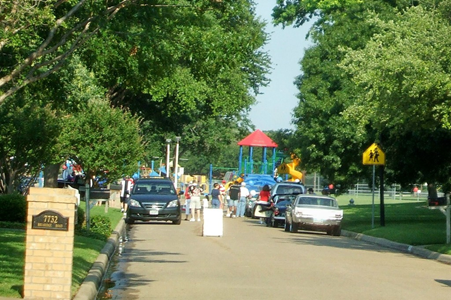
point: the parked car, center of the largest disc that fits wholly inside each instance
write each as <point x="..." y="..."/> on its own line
<point x="249" y="209"/>
<point x="153" y="199"/>
<point x="288" y="187"/>
<point x="310" y="212"/>
<point x="279" y="209"/>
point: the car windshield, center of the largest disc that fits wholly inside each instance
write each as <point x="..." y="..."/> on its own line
<point x="278" y="199"/>
<point x="289" y="190"/>
<point x="317" y="201"/>
<point x="157" y="188"/>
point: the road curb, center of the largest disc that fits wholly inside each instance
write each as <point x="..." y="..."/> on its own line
<point x="89" y="288"/>
<point x="415" y="250"/>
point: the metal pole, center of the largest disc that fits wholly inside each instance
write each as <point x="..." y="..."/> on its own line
<point x="372" y="215"/>
<point x="88" y="205"/>
<point x="382" y="208"/>
<point x="176" y="167"/>
<point x="168" y="150"/>
<point x="448" y="224"/>
<point x="314" y="182"/>
<point x="448" y="221"/>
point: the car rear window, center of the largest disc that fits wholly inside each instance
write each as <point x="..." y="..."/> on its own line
<point x="157" y="188"/>
<point x="317" y="202"/>
<point x="288" y="190"/>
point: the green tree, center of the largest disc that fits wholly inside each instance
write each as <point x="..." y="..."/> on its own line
<point x="392" y="91"/>
<point x="107" y="140"/>
<point x="325" y="141"/>
<point x="182" y="68"/>
<point x="37" y="37"/>
<point x="28" y="133"/>
<point x="406" y="77"/>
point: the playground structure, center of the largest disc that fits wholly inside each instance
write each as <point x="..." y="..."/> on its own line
<point x="256" y="178"/>
<point x="290" y="168"/>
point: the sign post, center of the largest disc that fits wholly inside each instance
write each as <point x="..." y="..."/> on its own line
<point x="373" y="156"/>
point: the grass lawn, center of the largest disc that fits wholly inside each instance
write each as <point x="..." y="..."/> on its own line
<point x="407" y="221"/>
<point x="12" y="253"/>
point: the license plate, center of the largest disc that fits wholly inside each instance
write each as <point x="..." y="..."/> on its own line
<point x="153" y="212"/>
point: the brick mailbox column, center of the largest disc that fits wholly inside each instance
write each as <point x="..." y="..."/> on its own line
<point x="49" y="243"/>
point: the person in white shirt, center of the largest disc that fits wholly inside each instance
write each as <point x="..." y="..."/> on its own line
<point x="244" y="195"/>
<point x="195" y="205"/>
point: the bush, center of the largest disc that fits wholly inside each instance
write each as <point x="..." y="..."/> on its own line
<point x="13" y="208"/>
<point x="80" y="218"/>
<point x="101" y="225"/>
<point x="100" y="228"/>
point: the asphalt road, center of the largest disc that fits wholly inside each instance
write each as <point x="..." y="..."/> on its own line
<point x="251" y="261"/>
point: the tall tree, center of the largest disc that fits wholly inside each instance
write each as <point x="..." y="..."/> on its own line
<point x="38" y="36"/>
<point x="182" y="67"/>
<point x="406" y="77"/>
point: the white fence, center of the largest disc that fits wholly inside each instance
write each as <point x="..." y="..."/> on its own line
<point x="394" y="192"/>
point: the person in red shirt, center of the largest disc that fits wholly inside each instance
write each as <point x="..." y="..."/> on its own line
<point x="264" y="194"/>
<point x="187" y="201"/>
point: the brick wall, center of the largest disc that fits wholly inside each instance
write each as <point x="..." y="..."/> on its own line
<point x="49" y="252"/>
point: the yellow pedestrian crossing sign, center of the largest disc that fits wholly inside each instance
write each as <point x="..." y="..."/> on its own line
<point x="374" y="156"/>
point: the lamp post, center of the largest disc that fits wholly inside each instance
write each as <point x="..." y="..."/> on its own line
<point x="176" y="166"/>
<point x="168" y="149"/>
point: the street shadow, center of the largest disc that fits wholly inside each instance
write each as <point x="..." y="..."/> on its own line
<point x="444" y="282"/>
<point x="321" y="239"/>
<point x="148" y="256"/>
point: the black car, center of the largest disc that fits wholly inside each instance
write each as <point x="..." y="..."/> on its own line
<point x="280" y="206"/>
<point x="153" y="199"/>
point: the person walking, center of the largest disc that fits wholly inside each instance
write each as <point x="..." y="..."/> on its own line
<point x="222" y="190"/>
<point x="234" y="194"/>
<point x="263" y="196"/>
<point x="125" y="190"/>
<point x="187" y="201"/>
<point x="244" y="195"/>
<point x="216" y="197"/>
<point x="195" y="205"/>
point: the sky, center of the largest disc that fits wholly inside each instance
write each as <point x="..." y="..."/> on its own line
<point x="286" y="47"/>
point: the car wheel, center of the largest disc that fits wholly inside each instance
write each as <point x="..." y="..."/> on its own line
<point x="336" y="231"/>
<point x="286" y="226"/>
<point x="274" y="223"/>
<point x="293" y="227"/>
<point x="178" y="221"/>
<point x="248" y="213"/>
<point x="129" y="221"/>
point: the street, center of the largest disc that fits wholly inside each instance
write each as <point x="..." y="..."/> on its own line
<point x="251" y="261"/>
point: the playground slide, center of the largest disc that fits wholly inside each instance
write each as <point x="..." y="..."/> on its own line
<point x="295" y="175"/>
<point x="290" y="168"/>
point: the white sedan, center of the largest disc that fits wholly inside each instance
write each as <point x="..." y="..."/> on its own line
<point x="311" y="212"/>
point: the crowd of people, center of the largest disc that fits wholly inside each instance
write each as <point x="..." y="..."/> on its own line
<point x="232" y="198"/>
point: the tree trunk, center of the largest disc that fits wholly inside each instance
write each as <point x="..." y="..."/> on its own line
<point x="51" y="175"/>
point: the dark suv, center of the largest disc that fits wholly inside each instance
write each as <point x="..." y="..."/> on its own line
<point x="153" y="199"/>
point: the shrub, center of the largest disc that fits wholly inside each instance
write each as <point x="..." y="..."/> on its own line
<point x="13" y="208"/>
<point x="101" y="225"/>
<point x="100" y="228"/>
<point x="80" y="218"/>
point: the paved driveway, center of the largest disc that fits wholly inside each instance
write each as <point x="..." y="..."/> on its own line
<point x="250" y="261"/>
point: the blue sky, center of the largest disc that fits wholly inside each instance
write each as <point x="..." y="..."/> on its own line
<point x="286" y="47"/>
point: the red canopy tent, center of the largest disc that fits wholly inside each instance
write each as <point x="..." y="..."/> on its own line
<point x="257" y="139"/>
